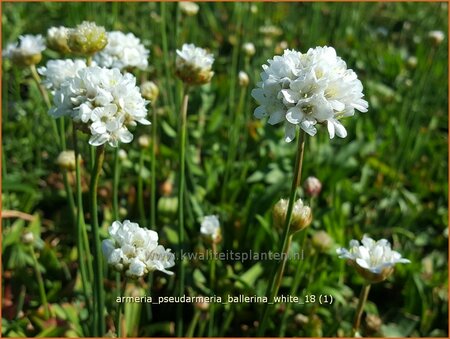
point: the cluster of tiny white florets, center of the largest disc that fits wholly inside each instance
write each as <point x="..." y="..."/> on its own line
<point x="306" y="89"/>
<point x="106" y="100"/>
<point x="123" y="51"/>
<point x="193" y="65"/>
<point x="56" y="72"/>
<point x="210" y="227"/>
<point x="371" y="255"/>
<point x="135" y="250"/>
<point x="27" y="51"/>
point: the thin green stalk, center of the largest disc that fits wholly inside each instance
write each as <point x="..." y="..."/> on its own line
<point x="116" y="176"/>
<point x="98" y="262"/>
<point x="165" y="48"/>
<point x="140" y="188"/>
<point x="121" y="288"/>
<point x="89" y="60"/>
<point x="84" y="254"/>
<point x="193" y="324"/>
<point x="153" y="169"/>
<point x="40" y="282"/>
<point x="212" y="282"/>
<point x="287" y="237"/>
<point x="181" y="186"/>
<point x="359" y="309"/>
<point x="44" y="94"/>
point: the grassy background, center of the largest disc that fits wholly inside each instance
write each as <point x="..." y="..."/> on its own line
<point x="388" y="178"/>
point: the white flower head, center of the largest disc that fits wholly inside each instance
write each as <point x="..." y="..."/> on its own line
<point x="56" y="72"/>
<point x="193" y="65"/>
<point x="210" y="228"/>
<point x="249" y="49"/>
<point x="374" y="260"/>
<point x="135" y="250"/>
<point x="123" y="51"/>
<point x="436" y="36"/>
<point x="307" y="89"/>
<point x="27" y="51"/>
<point x="105" y="100"/>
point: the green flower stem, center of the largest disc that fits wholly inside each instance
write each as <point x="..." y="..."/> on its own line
<point x="40" y="282"/>
<point x="212" y="282"/>
<point x="120" y="308"/>
<point x="234" y="140"/>
<point x="98" y="262"/>
<point x="89" y="60"/>
<point x="165" y="47"/>
<point x="193" y="324"/>
<point x="360" y="308"/>
<point x="84" y="254"/>
<point x="296" y="283"/>
<point x="140" y="188"/>
<point x="115" y="189"/>
<point x="44" y="94"/>
<point x="181" y="199"/>
<point x="287" y="237"/>
<point x="153" y="169"/>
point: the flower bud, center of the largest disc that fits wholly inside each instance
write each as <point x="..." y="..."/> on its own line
<point x="373" y="322"/>
<point x="436" y="37"/>
<point x="66" y="160"/>
<point x="300" y="219"/>
<point x="149" y="91"/>
<point x="166" y="188"/>
<point x="122" y="154"/>
<point x="412" y="62"/>
<point x="87" y="38"/>
<point x="243" y="79"/>
<point x="249" y="49"/>
<point x="193" y="65"/>
<point x="188" y="8"/>
<point x="144" y="141"/>
<point x="28" y="238"/>
<point x="57" y="39"/>
<point x="202" y="306"/>
<point x="312" y="186"/>
<point x="321" y="241"/>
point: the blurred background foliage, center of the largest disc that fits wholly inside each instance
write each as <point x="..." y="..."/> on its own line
<point x="388" y="178"/>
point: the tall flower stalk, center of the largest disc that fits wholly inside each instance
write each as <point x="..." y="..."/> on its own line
<point x="193" y="67"/>
<point x="304" y="90"/>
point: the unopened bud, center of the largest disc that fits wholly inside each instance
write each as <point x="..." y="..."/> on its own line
<point x="28" y="238"/>
<point x="243" y="79"/>
<point x="312" y="186"/>
<point x="150" y="91"/>
<point x="373" y="322"/>
<point x="300" y="219"/>
<point x="321" y="241"/>
<point x="249" y="49"/>
<point x="66" y="160"/>
<point x="188" y="8"/>
<point x="166" y="188"/>
<point x="436" y="37"/>
<point x="144" y="141"/>
<point x="87" y="38"/>
<point x="57" y="39"/>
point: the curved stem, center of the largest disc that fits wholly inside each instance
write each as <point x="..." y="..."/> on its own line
<point x="140" y="188"/>
<point x="276" y="280"/>
<point x="360" y="308"/>
<point x="98" y="262"/>
<point x="212" y="282"/>
<point x="182" y="133"/>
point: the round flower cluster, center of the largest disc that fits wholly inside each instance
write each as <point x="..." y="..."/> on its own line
<point x="105" y="100"/>
<point x="306" y="89"/>
<point x="135" y="250"/>
<point x="56" y="72"/>
<point x="87" y="38"/>
<point x="374" y="260"/>
<point x="193" y="65"/>
<point x="210" y="228"/>
<point x="123" y="51"/>
<point x="26" y="52"/>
